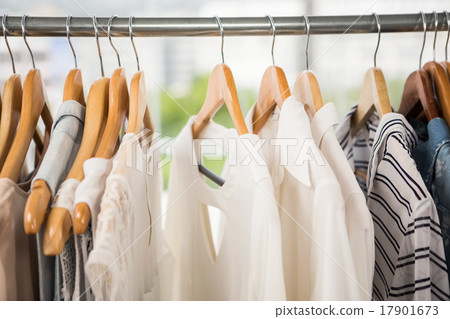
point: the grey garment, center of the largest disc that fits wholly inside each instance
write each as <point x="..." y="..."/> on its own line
<point x="58" y="281"/>
<point x="46" y="266"/>
<point x="65" y="140"/>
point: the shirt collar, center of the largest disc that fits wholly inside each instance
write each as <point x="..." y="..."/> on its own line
<point x="323" y="119"/>
<point x="361" y="142"/>
<point x="294" y="129"/>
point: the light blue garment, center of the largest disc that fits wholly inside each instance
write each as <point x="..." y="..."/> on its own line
<point x="65" y="140"/>
<point x="432" y="156"/>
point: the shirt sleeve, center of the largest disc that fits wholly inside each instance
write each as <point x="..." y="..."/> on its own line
<point x="421" y="261"/>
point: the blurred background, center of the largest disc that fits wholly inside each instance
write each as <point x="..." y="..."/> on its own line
<point x="178" y="68"/>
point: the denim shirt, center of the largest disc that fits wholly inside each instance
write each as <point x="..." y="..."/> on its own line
<point x="432" y="157"/>
<point x="65" y="140"/>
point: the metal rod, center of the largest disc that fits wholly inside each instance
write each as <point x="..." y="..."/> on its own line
<point x="207" y="26"/>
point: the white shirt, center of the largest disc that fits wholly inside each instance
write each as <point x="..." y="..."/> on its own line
<point x="90" y="191"/>
<point x="409" y="253"/>
<point x="123" y="263"/>
<point x="91" y="188"/>
<point x="247" y="263"/>
<point x="357" y="216"/>
<point x="317" y="256"/>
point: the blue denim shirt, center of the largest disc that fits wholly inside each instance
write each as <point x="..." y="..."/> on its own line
<point x="432" y="156"/>
<point x="65" y="140"/>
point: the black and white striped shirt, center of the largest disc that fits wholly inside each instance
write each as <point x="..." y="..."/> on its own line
<point x="409" y="253"/>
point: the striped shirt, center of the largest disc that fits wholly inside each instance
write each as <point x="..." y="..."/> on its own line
<point x="359" y="148"/>
<point x="409" y="253"/>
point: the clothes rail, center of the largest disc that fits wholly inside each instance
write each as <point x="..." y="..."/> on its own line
<point x="237" y="26"/>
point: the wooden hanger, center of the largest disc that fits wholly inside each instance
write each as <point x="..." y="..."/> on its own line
<point x="374" y="96"/>
<point x="118" y="106"/>
<point x="138" y="115"/>
<point x="138" y="112"/>
<point x="73" y="87"/>
<point x="418" y="97"/>
<point x="439" y="78"/>
<point x="446" y="63"/>
<point x="10" y="114"/>
<point x="273" y="91"/>
<point x="59" y="223"/>
<point x="40" y="196"/>
<point x="418" y="94"/>
<point x="441" y="83"/>
<point x="221" y="89"/>
<point x="374" y="93"/>
<point x="306" y="86"/>
<point x="12" y="103"/>
<point x="34" y="105"/>
<point x="307" y="91"/>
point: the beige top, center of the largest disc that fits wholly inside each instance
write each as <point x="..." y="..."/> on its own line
<point x="18" y="280"/>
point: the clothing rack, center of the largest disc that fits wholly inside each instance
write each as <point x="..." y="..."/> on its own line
<point x="236" y="26"/>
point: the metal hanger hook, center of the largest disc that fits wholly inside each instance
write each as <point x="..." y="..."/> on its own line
<point x="68" y="39"/>
<point x="219" y="22"/>
<point x="308" y="30"/>
<point x="24" y="17"/>
<point x="377" y="19"/>
<point x="5" y="31"/>
<point x="448" y="33"/>
<point x="130" y="30"/>
<point x="94" y="21"/>
<point x="272" y="25"/>
<point x="424" y="21"/>
<point x="110" y="40"/>
<point x="436" y="22"/>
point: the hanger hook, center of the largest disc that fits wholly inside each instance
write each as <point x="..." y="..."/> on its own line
<point x="436" y="22"/>
<point x="110" y="40"/>
<point x="130" y="30"/>
<point x="94" y="21"/>
<point x="308" y="30"/>
<point x="377" y="19"/>
<point x="219" y="22"/>
<point x="272" y="24"/>
<point x="68" y="39"/>
<point x="448" y="33"/>
<point x="5" y="31"/>
<point x="424" y="21"/>
<point x="24" y="17"/>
